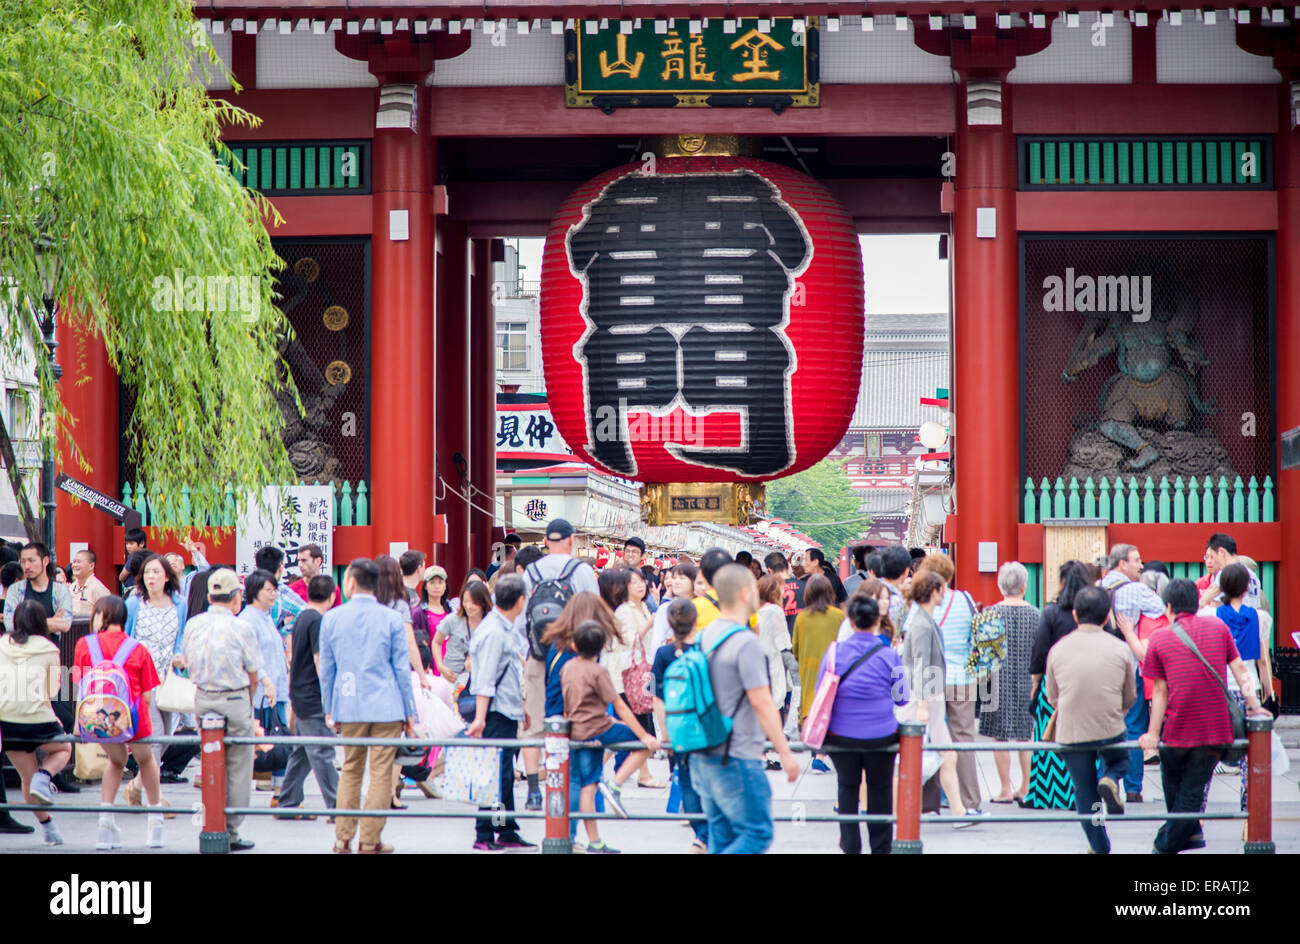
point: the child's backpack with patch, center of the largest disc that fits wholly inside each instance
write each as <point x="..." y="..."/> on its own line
<point x="106" y="712"/>
<point x="695" y="722"/>
<point x="988" y="636"/>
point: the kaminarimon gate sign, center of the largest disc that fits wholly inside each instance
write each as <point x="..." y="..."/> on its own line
<point x="1049" y="144"/>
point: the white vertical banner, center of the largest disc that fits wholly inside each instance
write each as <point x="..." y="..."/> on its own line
<point x="299" y="514"/>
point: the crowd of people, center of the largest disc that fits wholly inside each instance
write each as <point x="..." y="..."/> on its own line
<point x="1122" y="653"/>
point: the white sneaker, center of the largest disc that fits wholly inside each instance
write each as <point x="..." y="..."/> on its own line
<point x="51" y="832"/>
<point x="41" y="789"/>
<point x="155" y="839"/>
<point x="108" y="836"/>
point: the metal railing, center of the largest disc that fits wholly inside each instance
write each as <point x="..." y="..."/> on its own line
<point x="558" y="748"/>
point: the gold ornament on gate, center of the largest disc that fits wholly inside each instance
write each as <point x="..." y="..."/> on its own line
<point x="307" y="269"/>
<point x="335" y="317"/>
<point x="702" y="145"/>
<point x="734" y="503"/>
<point x="691" y="143"/>
<point x="337" y="373"/>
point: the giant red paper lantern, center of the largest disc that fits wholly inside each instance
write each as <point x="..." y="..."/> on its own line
<point x="703" y="323"/>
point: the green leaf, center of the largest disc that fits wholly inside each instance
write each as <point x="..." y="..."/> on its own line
<point x="109" y="154"/>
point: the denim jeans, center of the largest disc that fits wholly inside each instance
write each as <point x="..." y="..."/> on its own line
<point x="586" y="764"/>
<point x="1135" y="725"/>
<point x="1081" y="760"/>
<point x="737" y="801"/>
<point x="506" y="829"/>
<point x="688" y="796"/>
<point x="1184" y="773"/>
<point x="646" y="721"/>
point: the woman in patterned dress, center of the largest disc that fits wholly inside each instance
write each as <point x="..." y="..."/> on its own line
<point x="155" y="615"/>
<point x="1011" y="720"/>
<point x="1050" y="786"/>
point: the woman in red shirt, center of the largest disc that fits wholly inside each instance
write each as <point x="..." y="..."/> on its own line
<point x="108" y="620"/>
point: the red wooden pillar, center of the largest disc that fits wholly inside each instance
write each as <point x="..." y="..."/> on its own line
<point x="92" y="407"/>
<point x="1287" y="157"/>
<point x="985" y="345"/>
<point x="482" y="402"/>
<point x="401" y="350"/>
<point x="451" y="425"/>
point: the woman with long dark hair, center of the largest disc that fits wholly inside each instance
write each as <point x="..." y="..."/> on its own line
<point x="612" y="582"/>
<point x="391" y="592"/>
<point x="29" y="677"/>
<point x="454" y="632"/>
<point x="1050" y="786"/>
<point x="472" y="575"/>
<point x="155" y="615"/>
<point x="634" y="621"/>
<point x="558" y="641"/>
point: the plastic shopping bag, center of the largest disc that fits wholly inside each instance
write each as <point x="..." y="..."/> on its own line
<point x="472" y="775"/>
<point x="1280" y="761"/>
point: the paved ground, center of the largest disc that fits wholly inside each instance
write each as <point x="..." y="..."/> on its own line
<point x="811" y="795"/>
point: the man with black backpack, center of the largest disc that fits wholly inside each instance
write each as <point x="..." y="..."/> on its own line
<point x="551" y="581"/>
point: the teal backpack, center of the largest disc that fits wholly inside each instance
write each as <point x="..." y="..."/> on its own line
<point x="695" y="722"/>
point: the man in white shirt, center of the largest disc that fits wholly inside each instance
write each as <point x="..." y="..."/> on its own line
<point x="86" y="588"/>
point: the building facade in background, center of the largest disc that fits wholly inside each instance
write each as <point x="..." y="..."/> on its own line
<point x="905" y="358"/>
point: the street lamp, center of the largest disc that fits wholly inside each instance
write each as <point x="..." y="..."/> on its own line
<point x="48" y="263"/>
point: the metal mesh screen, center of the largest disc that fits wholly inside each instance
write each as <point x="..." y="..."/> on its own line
<point x="1166" y="343"/>
<point x="325" y="294"/>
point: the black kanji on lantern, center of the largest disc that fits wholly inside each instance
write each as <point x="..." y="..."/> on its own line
<point x="687" y="280"/>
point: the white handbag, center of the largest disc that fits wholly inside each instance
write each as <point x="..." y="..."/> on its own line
<point x="176" y="694"/>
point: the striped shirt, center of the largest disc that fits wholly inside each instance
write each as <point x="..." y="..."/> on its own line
<point x="953" y="614"/>
<point x="1132" y="598"/>
<point x="1198" y="712"/>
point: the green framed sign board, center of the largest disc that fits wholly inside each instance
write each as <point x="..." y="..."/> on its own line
<point x="662" y="63"/>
